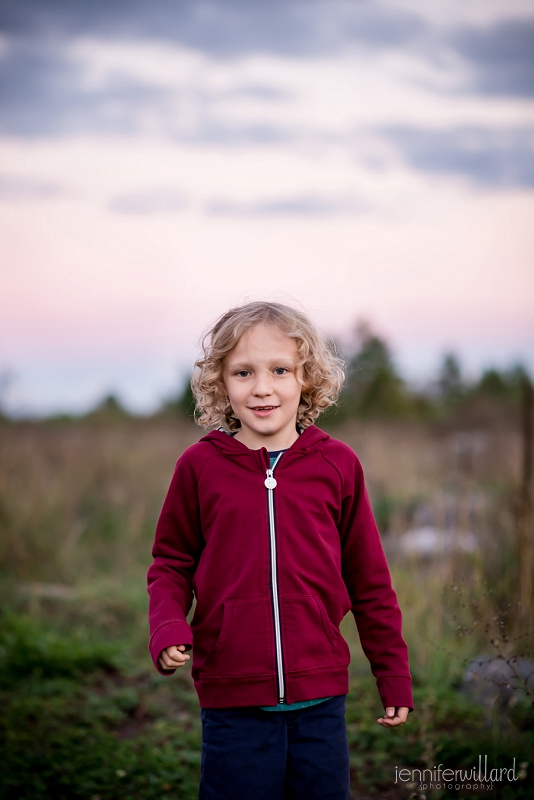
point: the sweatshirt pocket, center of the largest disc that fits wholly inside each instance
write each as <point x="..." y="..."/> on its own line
<point x="245" y="645"/>
<point x="311" y="640"/>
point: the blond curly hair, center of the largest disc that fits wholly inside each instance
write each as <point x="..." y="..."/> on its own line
<point x="323" y="370"/>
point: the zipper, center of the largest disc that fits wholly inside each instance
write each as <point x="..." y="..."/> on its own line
<point x="270" y="483"/>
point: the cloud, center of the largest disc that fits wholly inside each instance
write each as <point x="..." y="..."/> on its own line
<point x="223" y="27"/>
<point x="261" y="92"/>
<point x="213" y="132"/>
<point x="486" y="156"/>
<point x="56" y="83"/>
<point x="501" y="57"/>
<point x="148" y="202"/>
<point x="53" y="90"/>
<point x="44" y="94"/>
<point x="19" y="187"/>
<point x="172" y="69"/>
<point x="306" y="205"/>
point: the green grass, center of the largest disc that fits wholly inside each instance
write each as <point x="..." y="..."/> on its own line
<point x="85" y="715"/>
<point x="81" y="718"/>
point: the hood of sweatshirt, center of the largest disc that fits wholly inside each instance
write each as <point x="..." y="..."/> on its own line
<point x="308" y="440"/>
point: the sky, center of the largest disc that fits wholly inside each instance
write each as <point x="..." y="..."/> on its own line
<point x="161" y="162"/>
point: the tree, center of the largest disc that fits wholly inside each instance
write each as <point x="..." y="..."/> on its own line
<point x="110" y="409"/>
<point x="493" y="383"/>
<point x="450" y="381"/>
<point x="182" y="404"/>
<point x="374" y="388"/>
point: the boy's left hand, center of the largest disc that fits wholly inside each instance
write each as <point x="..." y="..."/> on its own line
<point x="395" y="715"/>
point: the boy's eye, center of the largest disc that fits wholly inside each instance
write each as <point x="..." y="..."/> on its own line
<point x="243" y="373"/>
<point x="281" y="371"/>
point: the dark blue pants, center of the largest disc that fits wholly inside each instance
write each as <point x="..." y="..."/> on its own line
<point x="250" y="754"/>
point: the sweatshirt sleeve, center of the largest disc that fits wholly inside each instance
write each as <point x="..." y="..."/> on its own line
<point x="177" y="547"/>
<point x="374" y="602"/>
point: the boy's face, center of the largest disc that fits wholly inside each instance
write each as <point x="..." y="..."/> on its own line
<point x="261" y="384"/>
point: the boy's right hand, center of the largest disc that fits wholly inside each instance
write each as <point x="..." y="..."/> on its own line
<point x="173" y="657"/>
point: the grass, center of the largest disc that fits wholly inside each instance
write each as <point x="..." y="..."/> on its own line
<point x="82" y="728"/>
<point x="83" y="714"/>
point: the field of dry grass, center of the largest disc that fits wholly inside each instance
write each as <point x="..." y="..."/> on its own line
<point x="79" y="500"/>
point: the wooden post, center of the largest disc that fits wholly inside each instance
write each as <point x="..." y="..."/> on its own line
<point x="525" y="541"/>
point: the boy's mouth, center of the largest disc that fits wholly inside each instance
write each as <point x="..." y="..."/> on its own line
<point x="263" y="409"/>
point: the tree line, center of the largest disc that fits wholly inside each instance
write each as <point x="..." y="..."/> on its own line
<point x="375" y="389"/>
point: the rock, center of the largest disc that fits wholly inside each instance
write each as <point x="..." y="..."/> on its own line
<point x="498" y="682"/>
<point x="431" y="541"/>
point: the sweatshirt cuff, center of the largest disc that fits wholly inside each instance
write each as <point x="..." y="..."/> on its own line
<point x="173" y="633"/>
<point x="395" y="690"/>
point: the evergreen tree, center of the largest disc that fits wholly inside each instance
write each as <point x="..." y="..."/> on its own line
<point x="374" y="388"/>
<point x="450" y="381"/>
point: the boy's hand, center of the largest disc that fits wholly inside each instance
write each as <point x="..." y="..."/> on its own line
<point x="394" y="716"/>
<point x="173" y="657"/>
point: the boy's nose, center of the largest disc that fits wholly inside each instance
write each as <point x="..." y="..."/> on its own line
<point x="263" y="385"/>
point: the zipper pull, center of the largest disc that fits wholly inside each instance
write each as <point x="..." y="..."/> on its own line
<point x="270" y="481"/>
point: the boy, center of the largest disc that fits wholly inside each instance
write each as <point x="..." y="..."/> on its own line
<point x="267" y="523"/>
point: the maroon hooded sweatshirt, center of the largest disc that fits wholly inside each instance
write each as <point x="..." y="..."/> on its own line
<point x="275" y="561"/>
